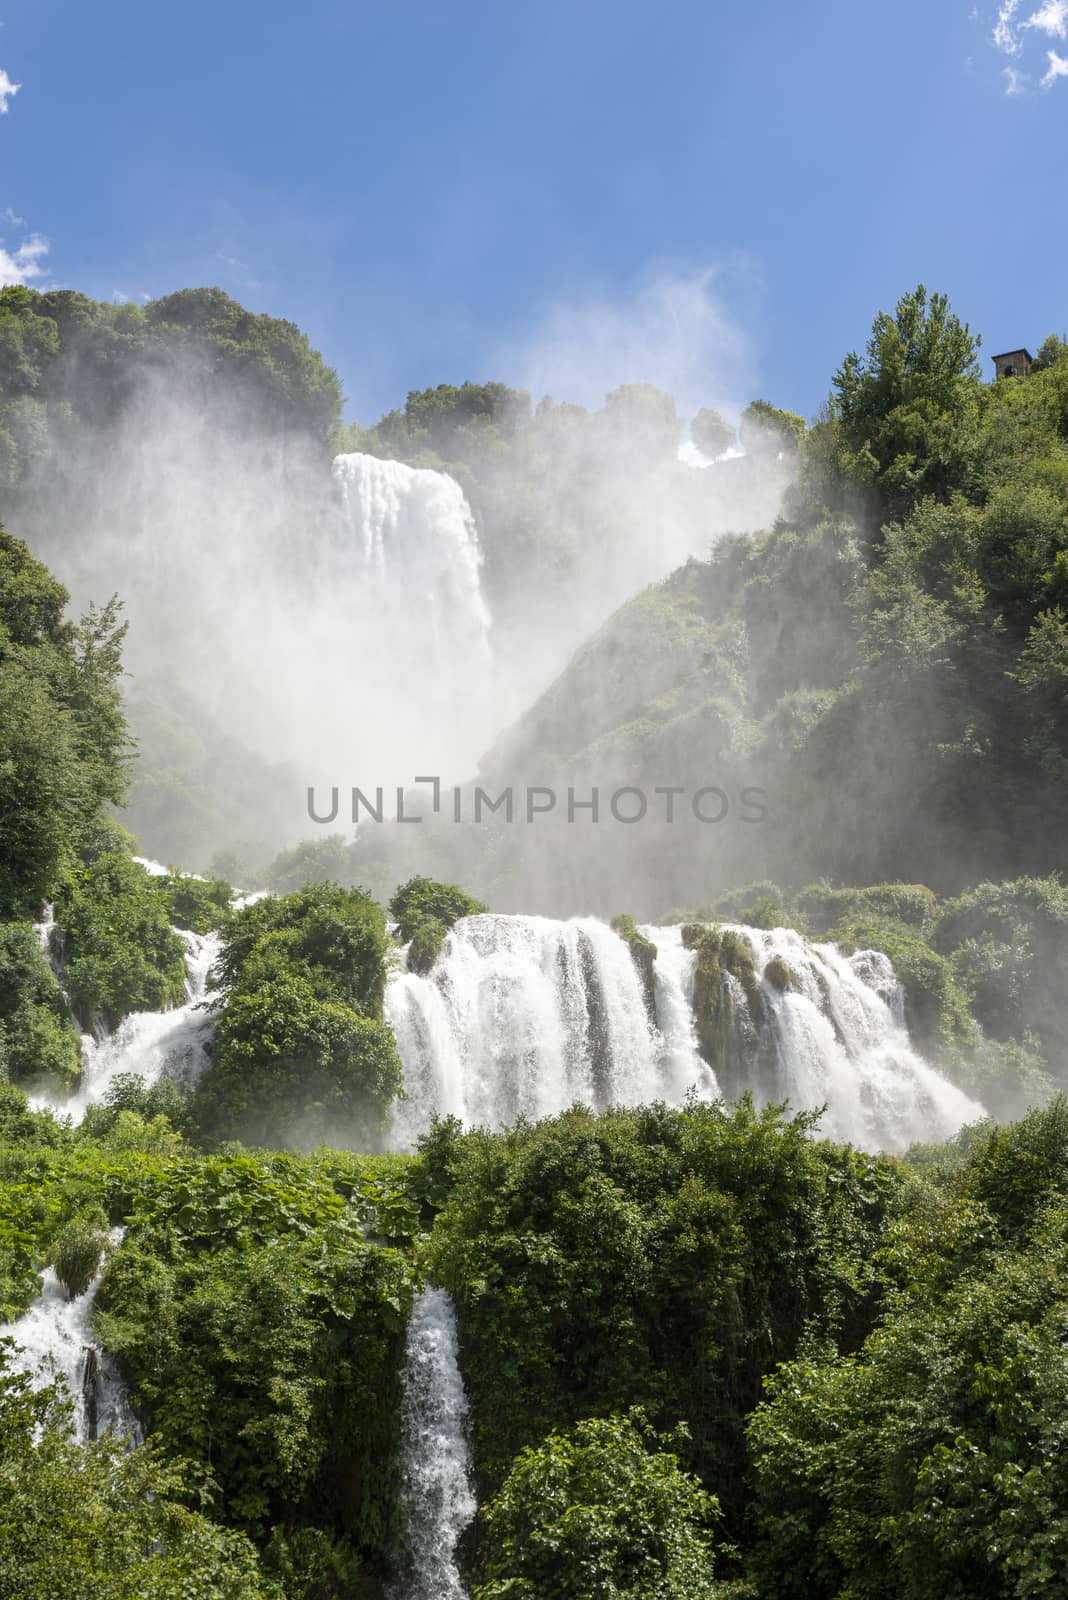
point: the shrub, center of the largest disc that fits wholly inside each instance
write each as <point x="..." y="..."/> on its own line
<point x="38" y="1038"/>
<point x="76" y="1253"/>
<point x="120" y="952"/>
<point x="199" y="904"/>
<point x="423" y="897"/>
<point x="601" y="1511"/>
<point x="292" y="1068"/>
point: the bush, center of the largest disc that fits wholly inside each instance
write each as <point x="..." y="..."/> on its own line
<point x="603" y="1511"/>
<point x="200" y="904"/>
<point x="428" y="937"/>
<point x="420" y="898"/>
<point x="335" y="939"/>
<point x="120" y="952"/>
<point x="101" y="1521"/>
<point x="293" y="1069"/>
<point x="38" y="1039"/>
<point x="650" y="1257"/>
<point x="76" y="1253"/>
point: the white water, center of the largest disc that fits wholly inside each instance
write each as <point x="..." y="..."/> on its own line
<point x="526" y="1016"/>
<point x="152" y="1044"/>
<point x="840" y="1040"/>
<point x="55" y="1344"/>
<point x="436" y="1491"/>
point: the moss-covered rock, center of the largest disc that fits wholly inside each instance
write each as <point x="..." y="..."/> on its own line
<point x="781" y="976"/>
<point x="428" y="935"/>
<point x="643" y="954"/>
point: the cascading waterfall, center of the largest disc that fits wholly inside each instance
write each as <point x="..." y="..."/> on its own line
<point x="152" y="1044"/>
<point x="53" y="1336"/>
<point x="418" y="546"/>
<point x="525" y="1016"/>
<point x="838" y="1038"/>
<point x="437" y="1497"/>
<point x="53" y="1342"/>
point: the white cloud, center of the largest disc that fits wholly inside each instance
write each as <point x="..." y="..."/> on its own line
<point x="7" y="89"/>
<point x="1015" y="81"/>
<point x="1005" y="36"/>
<point x="7" y="215"/>
<point x="1052" y="19"/>
<point x="1058" y="68"/>
<point x="24" y="262"/>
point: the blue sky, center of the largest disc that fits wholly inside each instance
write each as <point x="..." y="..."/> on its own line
<point x="565" y="192"/>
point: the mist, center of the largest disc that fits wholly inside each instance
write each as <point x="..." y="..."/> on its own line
<point x="302" y="620"/>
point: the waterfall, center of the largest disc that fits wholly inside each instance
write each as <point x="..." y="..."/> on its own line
<point x="436" y="1493"/>
<point x="153" y="1044"/>
<point x="839" y="1039"/>
<point x="53" y="1342"/>
<point x="526" y="1016"/>
<point x="523" y="1016"/>
<point x="418" y="550"/>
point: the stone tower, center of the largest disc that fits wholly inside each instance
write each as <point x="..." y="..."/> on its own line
<point x="1013" y="364"/>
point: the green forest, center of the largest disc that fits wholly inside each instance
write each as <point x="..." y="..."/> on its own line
<point x="707" y="1350"/>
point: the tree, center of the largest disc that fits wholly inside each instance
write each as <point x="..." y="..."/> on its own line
<point x="765" y="430"/>
<point x="710" y="433"/>
<point x="908" y="409"/>
<point x="601" y="1513"/>
<point x="102" y="1523"/>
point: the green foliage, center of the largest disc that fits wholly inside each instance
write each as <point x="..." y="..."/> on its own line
<point x="422" y="897"/>
<point x="76" y="1253"/>
<point x="765" y="430"/>
<point x="200" y="904"/>
<point x="653" y="1257"/>
<point x="38" y="1039"/>
<point x="120" y="953"/>
<point x="64" y="356"/>
<point x="292" y="1068"/>
<point x="931" y="1463"/>
<point x="909" y="408"/>
<point x="63" y="741"/>
<point x="780" y="975"/>
<point x="302" y="1055"/>
<point x="102" y="1523"/>
<point x="711" y="434"/>
<point x="262" y="1333"/>
<point x="333" y="938"/>
<point x="601" y="1513"/>
<point x="428" y="937"/>
<point x="328" y="860"/>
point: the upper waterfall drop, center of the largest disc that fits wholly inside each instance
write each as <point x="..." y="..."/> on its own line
<point x="419" y="550"/>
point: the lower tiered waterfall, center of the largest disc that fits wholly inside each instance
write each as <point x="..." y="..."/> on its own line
<point x="836" y="1037"/>
<point x="523" y="1016"/>
<point x="436" y="1493"/>
<point x="53" y="1342"/>
<point x="526" y="1016"/>
<point x="151" y="1044"/>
